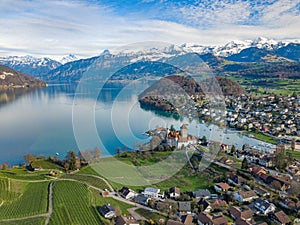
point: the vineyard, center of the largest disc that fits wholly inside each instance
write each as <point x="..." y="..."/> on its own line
<point x="89" y="180"/>
<point x="23" y="199"/>
<point x="71" y="204"/>
<point x="34" y="221"/>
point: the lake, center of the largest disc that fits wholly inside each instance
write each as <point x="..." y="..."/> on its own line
<point x="60" y="118"/>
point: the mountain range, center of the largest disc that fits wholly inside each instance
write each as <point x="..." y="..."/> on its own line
<point x="235" y="56"/>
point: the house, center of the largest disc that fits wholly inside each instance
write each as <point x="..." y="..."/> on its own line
<point x="107" y="211"/>
<point x="225" y="160"/>
<point x="221" y="187"/>
<point x="125" y="220"/>
<point x="151" y="192"/>
<point x="242" y="221"/>
<point x="257" y="170"/>
<point x="236" y="180"/>
<point x="202" y="193"/>
<point x="264" y="207"/>
<point x="289" y="204"/>
<point x="207" y="219"/>
<point x="243" y="212"/>
<point x="204" y="205"/>
<point x="185" y="207"/>
<point x="267" y="161"/>
<point x="127" y="193"/>
<point x="174" y="192"/>
<point x="224" y="147"/>
<point x="279" y="183"/>
<point x="261" y="192"/>
<point x="141" y="199"/>
<point x="174" y="222"/>
<point x="219" y="204"/>
<point x="245" y="196"/>
<point x="187" y="219"/>
<point x="280" y="217"/>
<point x="105" y="194"/>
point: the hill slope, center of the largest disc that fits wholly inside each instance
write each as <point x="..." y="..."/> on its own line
<point x="10" y="78"/>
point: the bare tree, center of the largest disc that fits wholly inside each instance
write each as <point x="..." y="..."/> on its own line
<point x="97" y="153"/>
<point x="29" y="158"/>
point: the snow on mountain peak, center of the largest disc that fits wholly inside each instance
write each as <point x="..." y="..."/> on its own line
<point x="68" y="58"/>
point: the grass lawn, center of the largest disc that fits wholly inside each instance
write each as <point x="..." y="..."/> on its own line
<point x="45" y="164"/>
<point x="34" y="221"/>
<point x="264" y="138"/>
<point x="295" y="154"/>
<point x="98" y="200"/>
<point x="23" y="199"/>
<point x="150" y="215"/>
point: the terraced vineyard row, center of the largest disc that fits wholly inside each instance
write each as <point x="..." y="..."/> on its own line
<point x="5" y="193"/>
<point x="71" y="204"/>
<point x="89" y="180"/>
<point x="31" y="201"/>
<point x="34" y="221"/>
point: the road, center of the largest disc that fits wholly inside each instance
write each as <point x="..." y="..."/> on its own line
<point x="50" y="203"/>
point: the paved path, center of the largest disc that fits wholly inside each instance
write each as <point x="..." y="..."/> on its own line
<point x="50" y="210"/>
<point x="135" y="215"/>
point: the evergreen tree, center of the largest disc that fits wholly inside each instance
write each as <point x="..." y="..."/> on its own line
<point x="233" y="150"/>
<point x="245" y="164"/>
<point x="293" y="144"/>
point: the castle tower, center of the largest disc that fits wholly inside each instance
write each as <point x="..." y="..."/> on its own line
<point x="183" y="131"/>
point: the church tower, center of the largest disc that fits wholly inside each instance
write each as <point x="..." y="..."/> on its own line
<point x="183" y="131"/>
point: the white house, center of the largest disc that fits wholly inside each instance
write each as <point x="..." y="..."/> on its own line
<point x="152" y="193"/>
<point x="264" y="207"/>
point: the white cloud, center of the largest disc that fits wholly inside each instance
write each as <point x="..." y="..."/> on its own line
<point x="56" y="28"/>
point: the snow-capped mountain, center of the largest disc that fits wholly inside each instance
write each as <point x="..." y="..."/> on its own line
<point x="33" y="66"/>
<point x="148" y="52"/>
<point x="68" y="58"/>
<point x="235" y="47"/>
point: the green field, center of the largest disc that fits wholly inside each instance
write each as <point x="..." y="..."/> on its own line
<point x="264" y="138"/>
<point x="98" y="200"/>
<point x="71" y="204"/>
<point x="150" y="215"/>
<point x="22" y="174"/>
<point x="23" y="199"/>
<point x="295" y="154"/>
<point x="46" y="165"/>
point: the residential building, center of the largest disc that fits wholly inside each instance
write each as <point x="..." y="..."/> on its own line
<point x="174" y="192"/>
<point x="125" y="220"/>
<point x="202" y="193"/>
<point x="280" y="218"/>
<point x="207" y="219"/>
<point x="221" y="187"/>
<point x="185" y="207"/>
<point x="107" y="211"/>
<point x="245" y="196"/>
<point x="264" y="207"/>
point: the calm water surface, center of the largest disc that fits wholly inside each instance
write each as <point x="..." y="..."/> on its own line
<point x="42" y="122"/>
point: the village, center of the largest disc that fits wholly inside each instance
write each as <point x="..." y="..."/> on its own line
<point x="263" y="190"/>
<point x="272" y="115"/>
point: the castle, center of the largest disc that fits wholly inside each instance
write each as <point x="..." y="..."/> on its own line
<point x="180" y="138"/>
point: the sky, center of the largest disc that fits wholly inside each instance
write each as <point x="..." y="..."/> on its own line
<point x="85" y="28"/>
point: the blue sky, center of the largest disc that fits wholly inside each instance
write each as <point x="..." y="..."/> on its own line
<point x="55" y="28"/>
